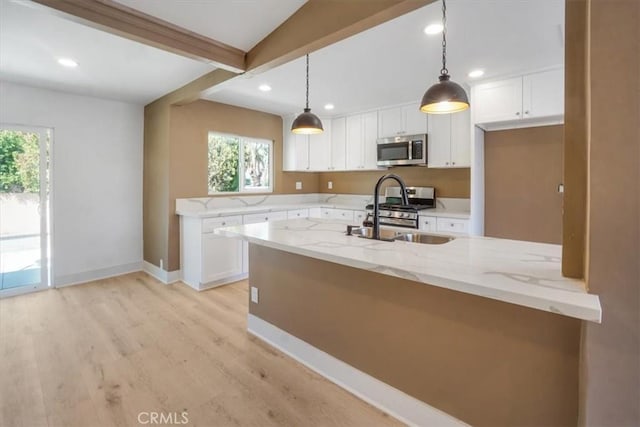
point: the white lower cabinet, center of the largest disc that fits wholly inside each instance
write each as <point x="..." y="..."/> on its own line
<point x="315" y="213"/>
<point x="298" y="213"/>
<point x="359" y="217"/>
<point x="208" y="259"/>
<point x="254" y="219"/>
<point x="452" y="225"/>
<point x="330" y="213"/>
<point x="427" y="223"/>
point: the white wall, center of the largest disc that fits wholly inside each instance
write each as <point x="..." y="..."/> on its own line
<point x="97" y="178"/>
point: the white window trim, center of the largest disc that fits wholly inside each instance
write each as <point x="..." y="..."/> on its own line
<point x="242" y="189"/>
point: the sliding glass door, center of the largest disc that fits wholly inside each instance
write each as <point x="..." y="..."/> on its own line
<point x="24" y="207"/>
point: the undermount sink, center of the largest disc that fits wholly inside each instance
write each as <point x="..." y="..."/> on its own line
<point x="367" y="233"/>
<point x="391" y="235"/>
<point x="428" y="239"/>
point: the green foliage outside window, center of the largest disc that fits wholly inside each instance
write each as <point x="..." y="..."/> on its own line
<point x="231" y="172"/>
<point x="19" y="162"/>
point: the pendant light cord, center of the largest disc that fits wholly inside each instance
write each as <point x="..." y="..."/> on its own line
<point x="444" y="38"/>
<point x="307" y="81"/>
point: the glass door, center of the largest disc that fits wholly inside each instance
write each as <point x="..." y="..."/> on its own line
<point x="24" y="207"/>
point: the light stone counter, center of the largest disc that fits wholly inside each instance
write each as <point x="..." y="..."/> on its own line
<point x="517" y="272"/>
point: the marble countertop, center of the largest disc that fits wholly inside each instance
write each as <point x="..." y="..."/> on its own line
<point x="516" y="272"/>
<point x="243" y="210"/>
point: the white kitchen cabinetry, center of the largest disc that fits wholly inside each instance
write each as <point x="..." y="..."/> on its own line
<point x="315" y="213"/>
<point x="305" y="152"/>
<point x="402" y="120"/>
<point x="359" y="216"/>
<point x="337" y="158"/>
<point x="522" y="101"/>
<point x="330" y="213"/>
<point x="298" y="213"/>
<point x="452" y="225"/>
<point x="361" y="136"/>
<point x="208" y="259"/>
<point x="427" y="223"/>
<point x="449" y="140"/>
<point x="254" y="219"/>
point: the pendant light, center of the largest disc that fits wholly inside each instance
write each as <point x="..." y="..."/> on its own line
<point x="445" y="96"/>
<point x="307" y="123"/>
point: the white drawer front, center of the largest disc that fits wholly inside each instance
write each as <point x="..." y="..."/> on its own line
<point x="452" y="225"/>
<point x="359" y="216"/>
<point x="427" y="223"/>
<point x="209" y="224"/>
<point x="298" y="213"/>
<point x="264" y="217"/>
<point x="315" y="213"/>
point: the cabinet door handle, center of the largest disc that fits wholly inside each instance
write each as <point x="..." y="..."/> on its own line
<point x="453" y="163"/>
<point x="224" y="223"/>
<point x="446" y="163"/>
<point x="526" y="112"/>
<point x="518" y="113"/>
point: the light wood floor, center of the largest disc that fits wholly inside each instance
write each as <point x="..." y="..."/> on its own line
<point x="101" y="353"/>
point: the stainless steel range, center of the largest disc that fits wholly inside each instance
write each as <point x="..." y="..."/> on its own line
<point x="393" y="212"/>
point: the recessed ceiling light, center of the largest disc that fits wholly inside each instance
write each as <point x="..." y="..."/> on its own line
<point x="264" y="87"/>
<point x="432" y="29"/>
<point x="329" y="107"/>
<point x="67" y="62"/>
<point x="476" y="73"/>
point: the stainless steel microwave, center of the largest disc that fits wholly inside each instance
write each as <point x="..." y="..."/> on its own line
<point x="402" y="150"/>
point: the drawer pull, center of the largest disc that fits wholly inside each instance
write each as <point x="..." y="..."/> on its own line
<point x="224" y="223"/>
<point x="266" y="218"/>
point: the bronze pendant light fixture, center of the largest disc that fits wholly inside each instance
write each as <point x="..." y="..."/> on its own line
<point x="444" y="97"/>
<point x="307" y="123"/>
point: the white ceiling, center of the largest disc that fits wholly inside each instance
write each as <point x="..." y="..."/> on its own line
<point x="239" y="23"/>
<point x="396" y="62"/>
<point x="32" y="39"/>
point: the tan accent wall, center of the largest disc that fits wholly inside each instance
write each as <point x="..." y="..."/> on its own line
<point x="485" y="362"/>
<point x="610" y="380"/>
<point x="156" y="184"/>
<point x="448" y="182"/>
<point x="523" y="168"/>
<point x="190" y="125"/>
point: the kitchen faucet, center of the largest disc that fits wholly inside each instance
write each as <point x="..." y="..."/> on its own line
<point x="376" y="203"/>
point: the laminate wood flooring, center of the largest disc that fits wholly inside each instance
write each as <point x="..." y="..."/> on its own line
<point x="102" y="353"/>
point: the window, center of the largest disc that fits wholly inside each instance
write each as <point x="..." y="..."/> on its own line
<point x="238" y="164"/>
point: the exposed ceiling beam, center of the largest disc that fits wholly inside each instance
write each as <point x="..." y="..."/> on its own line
<point x="317" y="24"/>
<point x="118" y="19"/>
<point x="320" y="23"/>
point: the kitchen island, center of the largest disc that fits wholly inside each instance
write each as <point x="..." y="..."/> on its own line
<point x="486" y="330"/>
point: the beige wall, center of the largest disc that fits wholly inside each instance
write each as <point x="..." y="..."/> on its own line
<point x="523" y="168"/>
<point x="189" y="126"/>
<point x="485" y="362"/>
<point x="156" y="184"/>
<point x="610" y="380"/>
<point x="448" y="182"/>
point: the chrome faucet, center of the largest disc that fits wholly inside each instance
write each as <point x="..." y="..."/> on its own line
<point x="376" y="203"/>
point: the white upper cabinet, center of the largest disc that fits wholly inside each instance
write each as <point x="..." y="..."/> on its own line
<point x="532" y="99"/>
<point x="498" y="101"/>
<point x="449" y="140"/>
<point x="543" y="94"/>
<point x="338" y="144"/>
<point x="403" y="120"/>
<point x="415" y="121"/>
<point x="305" y="152"/>
<point x="320" y="148"/>
<point x="362" y="133"/>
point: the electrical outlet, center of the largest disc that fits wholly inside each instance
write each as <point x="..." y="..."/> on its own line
<point x="330" y="185"/>
<point x="254" y="294"/>
<point x="298" y="185"/>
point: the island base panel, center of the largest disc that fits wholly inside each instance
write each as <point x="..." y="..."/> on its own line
<point x="482" y="361"/>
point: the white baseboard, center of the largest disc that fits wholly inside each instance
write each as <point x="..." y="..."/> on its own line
<point x="88" y="276"/>
<point x="166" y="277"/>
<point x="217" y="283"/>
<point x="389" y="399"/>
